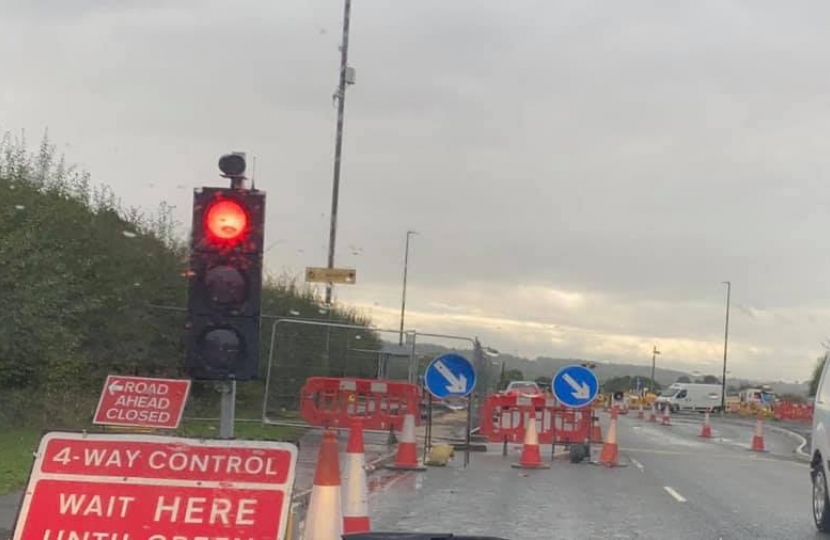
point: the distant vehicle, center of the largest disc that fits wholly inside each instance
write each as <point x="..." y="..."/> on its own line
<point x="523" y="388"/>
<point x="763" y="396"/>
<point x="690" y="397"/>
<point x="820" y="452"/>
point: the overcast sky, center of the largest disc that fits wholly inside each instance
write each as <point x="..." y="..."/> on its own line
<point x="583" y="174"/>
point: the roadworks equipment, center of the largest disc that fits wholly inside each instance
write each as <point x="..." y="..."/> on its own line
<point x="531" y="458"/>
<point x="324" y="520"/>
<point x="356" y="503"/>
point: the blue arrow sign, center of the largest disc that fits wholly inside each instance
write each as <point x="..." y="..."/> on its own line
<point x="575" y="386"/>
<point x="450" y="375"/>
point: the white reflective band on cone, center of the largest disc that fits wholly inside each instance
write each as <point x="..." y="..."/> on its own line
<point x="357" y="499"/>
<point x="324" y="520"/>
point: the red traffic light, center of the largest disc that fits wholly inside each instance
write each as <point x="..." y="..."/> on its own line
<point x="226" y="220"/>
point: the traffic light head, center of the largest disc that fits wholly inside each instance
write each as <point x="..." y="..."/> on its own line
<point x="226" y="221"/>
<point x="225" y="284"/>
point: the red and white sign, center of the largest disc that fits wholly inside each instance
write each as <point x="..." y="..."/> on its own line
<point x="142" y="402"/>
<point x="148" y="487"/>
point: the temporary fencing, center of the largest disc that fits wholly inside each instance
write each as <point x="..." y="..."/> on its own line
<point x="323" y="373"/>
<point x="502" y="419"/>
<point x="307" y="358"/>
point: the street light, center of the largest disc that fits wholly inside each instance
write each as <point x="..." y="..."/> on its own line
<point x="403" y="295"/>
<point x="654" y="354"/>
<point x="725" y="346"/>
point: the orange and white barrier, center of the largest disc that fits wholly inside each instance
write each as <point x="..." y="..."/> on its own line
<point x="652" y="415"/>
<point x="641" y="413"/>
<point x="786" y="410"/>
<point x="324" y="519"/>
<point x="758" y="437"/>
<point x="531" y="457"/>
<point x="331" y="402"/>
<point x="356" y="503"/>
<point x="610" y="454"/>
<point x="503" y="418"/>
<point x="406" y="459"/>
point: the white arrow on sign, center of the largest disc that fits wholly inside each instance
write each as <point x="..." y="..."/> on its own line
<point x="582" y="390"/>
<point x="115" y="386"/>
<point x="458" y="384"/>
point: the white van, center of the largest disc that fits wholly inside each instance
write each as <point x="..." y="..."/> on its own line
<point x="690" y="397"/>
<point x="820" y="452"/>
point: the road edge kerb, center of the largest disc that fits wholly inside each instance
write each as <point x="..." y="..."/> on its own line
<point x="767" y="425"/>
<point x="800" y="450"/>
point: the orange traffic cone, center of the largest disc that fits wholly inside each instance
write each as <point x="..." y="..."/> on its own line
<point x="406" y="458"/>
<point x="652" y="415"/>
<point x="641" y="414"/>
<point x="706" y="429"/>
<point x="666" y="416"/>
<point x="758" y="438"/>
<point x="531" y="457"/>
<point x="610" y="454"/>
<point x="596" y="431"/>
<point x="356" y="504"/>
<point x="323" y="519"/>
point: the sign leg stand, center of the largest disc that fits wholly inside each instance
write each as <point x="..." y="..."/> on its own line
<point x="469" y="428"/>
<point x="227" y="409"/>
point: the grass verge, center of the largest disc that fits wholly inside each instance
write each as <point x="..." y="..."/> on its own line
<point x="17" y="446"/>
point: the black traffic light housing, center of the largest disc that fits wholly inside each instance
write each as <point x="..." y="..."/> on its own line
<point x="225" y="283"/>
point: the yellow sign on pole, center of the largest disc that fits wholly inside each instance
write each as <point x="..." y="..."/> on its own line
<point x="330" y="275"/>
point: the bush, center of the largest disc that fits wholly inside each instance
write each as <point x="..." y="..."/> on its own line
<point x="91" y="287"/>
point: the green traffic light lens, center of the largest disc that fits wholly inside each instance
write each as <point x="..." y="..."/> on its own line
<point x="221" y="349"/>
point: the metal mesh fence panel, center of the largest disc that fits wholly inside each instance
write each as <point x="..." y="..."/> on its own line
<point x="303" y="349"/>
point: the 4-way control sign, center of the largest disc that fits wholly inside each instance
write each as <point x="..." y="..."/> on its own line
<point x="142" y="402"/>
<point x="147" y="487"/>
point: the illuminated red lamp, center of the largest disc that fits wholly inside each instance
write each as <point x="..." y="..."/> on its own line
<point x="226" y="220"/>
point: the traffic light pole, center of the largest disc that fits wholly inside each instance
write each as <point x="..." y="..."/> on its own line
<point x="227" y="409"/>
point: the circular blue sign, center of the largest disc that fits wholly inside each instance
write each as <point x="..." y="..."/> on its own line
<point x="575" y="386"/>
<point x="450" y="375"/>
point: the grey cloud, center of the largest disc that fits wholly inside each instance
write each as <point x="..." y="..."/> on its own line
<point x="637" y="152"/>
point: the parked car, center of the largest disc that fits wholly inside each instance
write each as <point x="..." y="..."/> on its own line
<point x="523" y="388"/>
<point x="820" y="452"/>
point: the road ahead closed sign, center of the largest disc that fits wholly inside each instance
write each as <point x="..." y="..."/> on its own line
<point x="146" y="487"/>
<point x="142" y="402"/>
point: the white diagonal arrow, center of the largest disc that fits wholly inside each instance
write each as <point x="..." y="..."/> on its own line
<point x="115" y="386"/>
<point x="458" y="384"/>
<point x="582" y="390"/>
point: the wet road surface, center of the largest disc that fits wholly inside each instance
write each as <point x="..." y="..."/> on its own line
<point x="672" y="485"/>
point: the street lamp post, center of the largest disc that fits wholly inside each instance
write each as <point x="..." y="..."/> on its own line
<point x="654" y="354"/>
<point x="725" y="346"/>
<point x="403" y="295"/>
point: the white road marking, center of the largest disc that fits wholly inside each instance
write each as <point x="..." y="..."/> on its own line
<point x="678" y="497"/>
<point x="637" y="464"/>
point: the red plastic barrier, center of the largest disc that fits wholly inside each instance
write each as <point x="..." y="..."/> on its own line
<point x="800" y="412"/>
<point x="502" y="418"/>
<point x="333" y="401"/>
